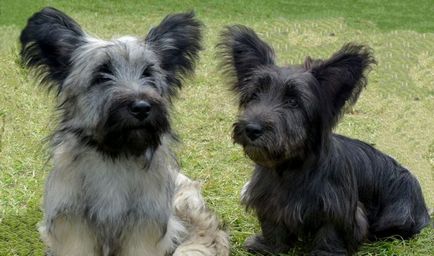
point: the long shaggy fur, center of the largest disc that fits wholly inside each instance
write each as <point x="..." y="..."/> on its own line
<point x="206" y="239"/>
<point x="308" y="182"/>
<point x="115" y="189"/>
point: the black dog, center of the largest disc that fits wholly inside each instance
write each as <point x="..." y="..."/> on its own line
<point x="308" y="182"/>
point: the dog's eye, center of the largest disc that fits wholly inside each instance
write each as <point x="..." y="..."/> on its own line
<point x="264" y="81"/>
<point x="254" y="96"/>
<point x="292" y="103"/>
<point x="100" y="79"/>
<point x="103" y="74"/>
<point x="147" y="72"/>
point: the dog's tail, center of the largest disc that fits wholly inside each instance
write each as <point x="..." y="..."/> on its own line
<point x="205" y="235"/>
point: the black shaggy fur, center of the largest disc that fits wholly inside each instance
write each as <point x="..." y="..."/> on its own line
<point x="308" y="182"/>
<point x="177" y="40"/>
<point x="48" y="42"/>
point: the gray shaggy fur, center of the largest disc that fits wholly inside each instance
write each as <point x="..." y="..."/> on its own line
<point x="115" y="187"/>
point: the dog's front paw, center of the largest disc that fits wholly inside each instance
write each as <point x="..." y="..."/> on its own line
<point x="326" y="253"/>
<point x="257" y="245"/>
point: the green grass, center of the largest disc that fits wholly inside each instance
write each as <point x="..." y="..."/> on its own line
<point x="395" y="112"/>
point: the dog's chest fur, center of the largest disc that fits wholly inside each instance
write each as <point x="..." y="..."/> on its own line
<point x="113" y="195"/>
<point x="296" y="201"/>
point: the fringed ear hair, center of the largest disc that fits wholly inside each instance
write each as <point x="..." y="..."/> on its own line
<point x="242" y="52"/>
<point x="309" y="62"/>
<point x="177" y="40"/>
<point x="47" y="44"/>
<point x="342" y="76"/>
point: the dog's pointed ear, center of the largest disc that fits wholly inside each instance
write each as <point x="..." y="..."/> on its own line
<point x="342" y="76"/>
<point x="177" y="41"/>
<point x="47" y="44"/>
<point x="242" y="52"/>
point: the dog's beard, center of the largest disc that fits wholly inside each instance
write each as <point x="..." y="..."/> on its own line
<point x="261" y="156"/>
<point x="131" y="141"/>
<point x="268" y="151"/>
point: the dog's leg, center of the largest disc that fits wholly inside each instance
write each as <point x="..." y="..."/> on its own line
<point x="343" y="241"/>
<point x="328" y="241"/>
<point x="405" y="212"/>
<point x="144" y="241"/>
<point x="275" y="238"/>
<point x="69" y="236"/>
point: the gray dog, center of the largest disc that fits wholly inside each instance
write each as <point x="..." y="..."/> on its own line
<point x="116" y="188"/>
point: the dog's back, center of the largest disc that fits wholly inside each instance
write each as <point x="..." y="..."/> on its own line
<point x="390" y="194"/>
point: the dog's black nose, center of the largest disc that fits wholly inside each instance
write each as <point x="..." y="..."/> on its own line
<point x="254" y="131"/>
<point x="140" y="109"/>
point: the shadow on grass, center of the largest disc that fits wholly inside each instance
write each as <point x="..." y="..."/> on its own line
<point x="419" y="245"/>
<point x="18" y="232"/>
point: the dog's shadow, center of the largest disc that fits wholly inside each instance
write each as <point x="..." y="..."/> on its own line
<point x="19" y="234"/>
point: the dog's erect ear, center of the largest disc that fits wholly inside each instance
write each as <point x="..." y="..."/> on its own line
<point x="342" y="76"/>
<point x="177" y="42"/>
<point x="243" y="52"/>
<point x="47" y="44"/>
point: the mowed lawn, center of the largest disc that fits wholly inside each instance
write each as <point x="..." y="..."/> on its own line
<point x="395" y="112"/>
